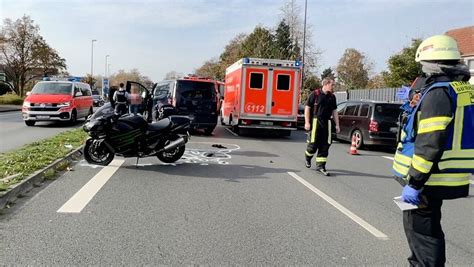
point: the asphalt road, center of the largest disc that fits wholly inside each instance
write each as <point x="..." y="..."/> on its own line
<point x="14" y="132"/>
<point x="249" y="201"/>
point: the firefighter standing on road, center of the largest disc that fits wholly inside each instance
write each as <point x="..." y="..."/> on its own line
<point x="320" y="106"/>
<point x="435" y="154"/>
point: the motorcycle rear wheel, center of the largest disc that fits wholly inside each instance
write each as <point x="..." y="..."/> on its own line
<point x="171" y="156"/>
<point x="98" y="155"/>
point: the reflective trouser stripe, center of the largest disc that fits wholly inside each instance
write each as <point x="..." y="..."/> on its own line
<point x="329" y="131"/>
<point x="448" y="179"/>
<point x="321" y="159"/>
<point x="421" y="164"/>
<point x="433" y="124"/>
<point x="313" y="132"/>
<point x="309" y="154"/>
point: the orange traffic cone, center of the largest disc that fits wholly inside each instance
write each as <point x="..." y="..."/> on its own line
<point x="353" y="150"/>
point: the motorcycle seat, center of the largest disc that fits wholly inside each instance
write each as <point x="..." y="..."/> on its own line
<point x="159" y="125"/>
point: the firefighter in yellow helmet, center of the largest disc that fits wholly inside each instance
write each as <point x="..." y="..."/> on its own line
<point x="435" y="154"/>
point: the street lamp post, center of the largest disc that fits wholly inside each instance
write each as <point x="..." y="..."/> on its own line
<point x="106" y="65"/>
<point x="92" y="60"/>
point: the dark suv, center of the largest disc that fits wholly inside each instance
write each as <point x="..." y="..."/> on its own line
<point x="371" y="122"/>
<point x="194" y="96"/>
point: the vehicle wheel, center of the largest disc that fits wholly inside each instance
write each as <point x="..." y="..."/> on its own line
<point x="208" y="131"/>
<point x="172" y="156"/>
<point x="97" y="153"/>
<point x="359" y="140"/>
<point x="91" y="111"/>
<point x="30" y="123"/>
<point x="73" y="118"/>
<point x="236" y="129"/>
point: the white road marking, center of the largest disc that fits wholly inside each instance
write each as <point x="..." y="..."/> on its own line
<point x="230" y="131"/>
<point x="391" y="158"/>
<point x="77" y="202"/>
<point x="374" y="231"/>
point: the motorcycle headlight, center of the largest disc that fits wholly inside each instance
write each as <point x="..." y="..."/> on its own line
<point x="65" y="104"/>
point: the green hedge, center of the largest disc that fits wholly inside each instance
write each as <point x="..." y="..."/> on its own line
<point x="35" y="156"/>
<point x="11" y="99"/>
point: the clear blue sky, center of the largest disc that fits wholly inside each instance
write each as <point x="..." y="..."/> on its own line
<point x="159" y="36"/>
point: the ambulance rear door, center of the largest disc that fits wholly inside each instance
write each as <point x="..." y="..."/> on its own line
<point x="255" y="92"/>
<point x="284" y="93"/>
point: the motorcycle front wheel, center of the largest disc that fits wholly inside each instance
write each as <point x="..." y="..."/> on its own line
<point x="97" y="153"/>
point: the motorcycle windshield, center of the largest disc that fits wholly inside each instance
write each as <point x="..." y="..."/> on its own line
<point x="195" y="97"/>
<point x="104" y="111"/>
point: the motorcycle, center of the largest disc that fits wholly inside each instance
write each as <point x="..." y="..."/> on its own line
<point x="133" y="136"/>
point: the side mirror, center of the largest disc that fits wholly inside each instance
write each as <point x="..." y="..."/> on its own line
<point x="28" y="93"/>
<point x="78" y="94"/>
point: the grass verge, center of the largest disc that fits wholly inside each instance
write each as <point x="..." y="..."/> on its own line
<point x="10" y="99"/>
<point x="22" y="162"/>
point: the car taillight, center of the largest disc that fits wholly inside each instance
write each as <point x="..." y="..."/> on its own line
<point x="173" y="102"/>
<point x="374" y="127"/>
<point x="286" y="124"/>
<point x="246" y="122"/>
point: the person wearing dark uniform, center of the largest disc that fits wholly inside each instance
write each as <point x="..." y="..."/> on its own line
<point x="434" y="158"/>
<point x="121" y="99"/>
<point x="320" y="106"/>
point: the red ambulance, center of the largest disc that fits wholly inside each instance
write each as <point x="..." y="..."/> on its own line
<point x="262" y="94"/>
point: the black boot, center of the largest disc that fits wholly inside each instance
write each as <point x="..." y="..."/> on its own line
<point x="307" y="162"/>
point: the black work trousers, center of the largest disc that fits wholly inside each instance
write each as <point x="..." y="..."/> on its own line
<point x="121" y="109"/>
<point x="319" y="140"/>
<point x="424" y="234"/>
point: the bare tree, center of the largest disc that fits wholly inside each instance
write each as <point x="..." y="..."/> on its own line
<point x="173" y="75"/>
<point x="291" y="12"/>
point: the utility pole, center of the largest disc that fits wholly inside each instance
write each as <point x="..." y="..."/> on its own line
<point x="106" y="65"/>
<point x="92" y="61"/>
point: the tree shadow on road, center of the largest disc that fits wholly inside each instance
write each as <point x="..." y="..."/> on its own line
<point x="229" y="172"/>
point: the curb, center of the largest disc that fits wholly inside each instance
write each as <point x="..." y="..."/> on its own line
<point x="34" y="180"/>
<point x="9" y="110"/>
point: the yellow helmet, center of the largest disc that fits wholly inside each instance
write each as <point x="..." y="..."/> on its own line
<point x="438" y="47"/>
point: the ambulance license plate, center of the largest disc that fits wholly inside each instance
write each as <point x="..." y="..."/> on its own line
<point x="266" y="122"/>
<point x="42" y="117"/>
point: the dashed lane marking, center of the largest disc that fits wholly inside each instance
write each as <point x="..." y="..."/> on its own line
<point x="78" y="202"/>
<point x="374" y="231"/>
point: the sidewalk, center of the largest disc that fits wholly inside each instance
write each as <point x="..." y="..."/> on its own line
<point x="7" y="108"/>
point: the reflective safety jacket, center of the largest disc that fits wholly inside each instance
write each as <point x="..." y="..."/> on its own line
<point x="436" y="148"/>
